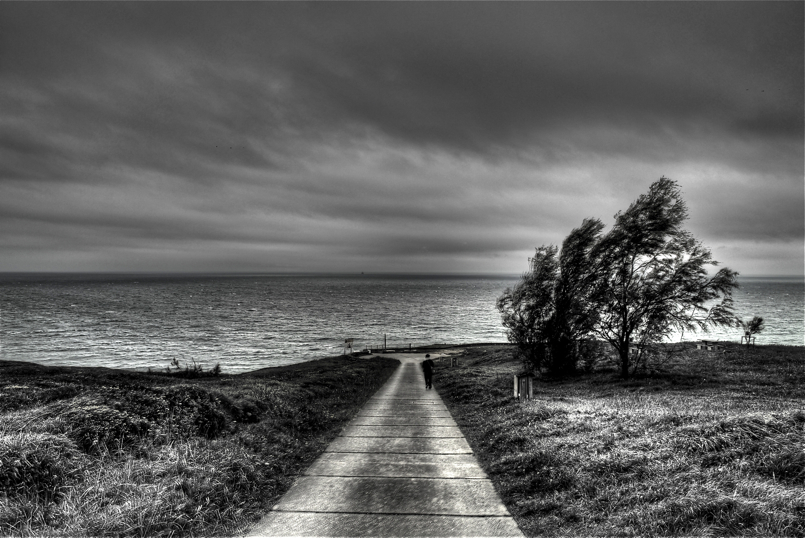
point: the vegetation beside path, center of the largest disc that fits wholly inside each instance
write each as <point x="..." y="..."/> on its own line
<point x="95" y="451"/>
<point x="705" y="444"/>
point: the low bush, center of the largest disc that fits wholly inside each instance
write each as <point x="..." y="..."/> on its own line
<point x="97" y="428"/>
<point x="37" y="466"/>
<point x="16" y="397"/>
<point x="193" y="410"/>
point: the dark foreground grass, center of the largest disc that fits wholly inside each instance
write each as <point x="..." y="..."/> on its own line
<point x="113" y="453"/>
<point x="707" y="444"/>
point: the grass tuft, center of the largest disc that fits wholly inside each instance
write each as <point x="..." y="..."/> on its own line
<point x="37" y="465"/>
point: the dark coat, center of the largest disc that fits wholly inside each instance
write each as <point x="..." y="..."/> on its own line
<point x="427" y="366"/>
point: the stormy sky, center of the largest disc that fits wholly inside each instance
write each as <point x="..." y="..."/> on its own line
<point x="390" y="137"/>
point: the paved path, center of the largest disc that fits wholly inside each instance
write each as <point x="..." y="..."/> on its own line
<point x="400" y="468"/>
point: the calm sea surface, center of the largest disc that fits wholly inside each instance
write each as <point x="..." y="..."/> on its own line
<point x="250" y="322"/>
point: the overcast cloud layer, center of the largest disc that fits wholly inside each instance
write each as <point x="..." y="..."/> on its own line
<point x="426" y="137"/>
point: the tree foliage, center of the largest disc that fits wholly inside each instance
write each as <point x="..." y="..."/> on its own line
<point x="549" y="310"/>
<point x="631" y="287"/>
<point x="753" y="326"/>
<point x="527" y="307"/>
<point x="653" y="279"/>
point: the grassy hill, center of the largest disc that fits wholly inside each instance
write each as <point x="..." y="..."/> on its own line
<point x="95" y="451"/>
<point x="701" y="443"/>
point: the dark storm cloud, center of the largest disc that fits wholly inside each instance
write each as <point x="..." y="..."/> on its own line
<point x="282" y="133"/>
<point x="486" y="73"/>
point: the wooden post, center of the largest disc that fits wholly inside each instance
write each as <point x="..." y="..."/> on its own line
<point x="524" y="386"/>
<point x="526" y="390"/>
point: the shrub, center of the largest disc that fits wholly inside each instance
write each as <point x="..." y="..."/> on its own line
<point x="97" y="427"/>
<point x="15" y="397"/>
<point x="144" y="402"/>
<point x="189" y="372"/>
<point x="243" y="410"/>
<point x="36" y="465"/>
<point x="194" y="411"/>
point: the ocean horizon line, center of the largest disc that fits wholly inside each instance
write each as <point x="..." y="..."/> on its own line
<point x="210" y="274"/>
<point x="339" y="274"/>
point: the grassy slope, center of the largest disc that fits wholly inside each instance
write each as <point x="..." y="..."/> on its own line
<point x="105" y="452"/>
<point x="708" y="444"/>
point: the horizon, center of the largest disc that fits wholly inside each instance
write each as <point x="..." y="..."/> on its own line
<point x="391" y="137"/>
<point x="501" y="275"/>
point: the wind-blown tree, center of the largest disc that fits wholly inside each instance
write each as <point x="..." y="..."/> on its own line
<point x="652" y="276"/>
<point x="549" y="310"/>
<point x="527" y="307"/>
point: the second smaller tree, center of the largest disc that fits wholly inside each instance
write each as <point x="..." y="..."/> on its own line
<point x="550" y="309"/>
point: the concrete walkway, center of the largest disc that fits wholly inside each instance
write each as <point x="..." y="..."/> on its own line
<point x="400" y="468"/>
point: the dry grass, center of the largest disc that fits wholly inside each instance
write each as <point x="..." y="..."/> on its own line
<point x="102" y="452"/>
<point x="705" y="444"/>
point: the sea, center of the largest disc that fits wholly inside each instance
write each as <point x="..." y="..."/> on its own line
<point x="248" y="322"/>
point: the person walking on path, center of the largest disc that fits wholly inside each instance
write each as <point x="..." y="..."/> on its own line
<point x="427" y="368"/>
